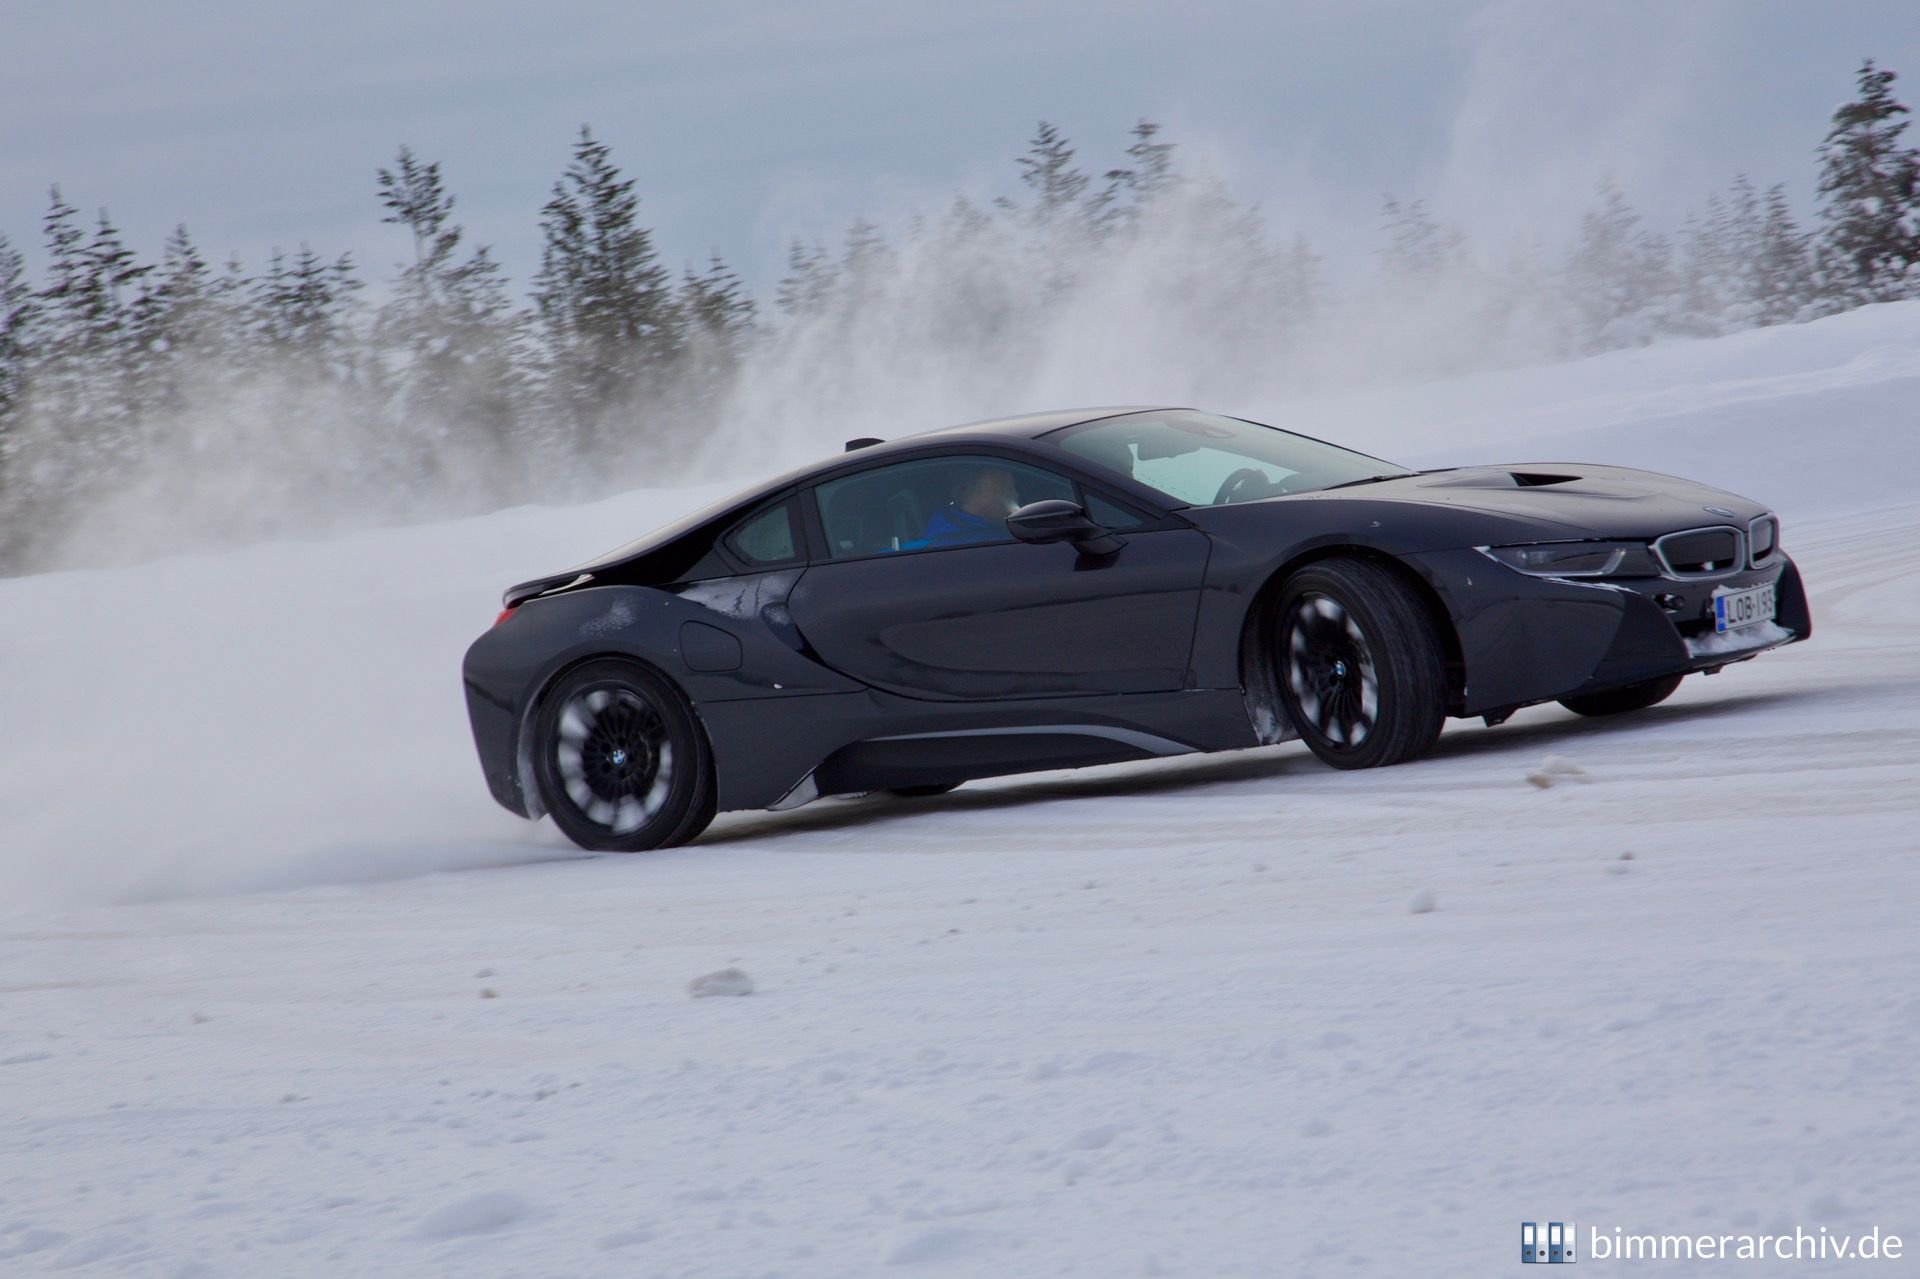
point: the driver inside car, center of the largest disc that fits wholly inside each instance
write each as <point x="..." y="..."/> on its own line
<point x="982" y="500"/>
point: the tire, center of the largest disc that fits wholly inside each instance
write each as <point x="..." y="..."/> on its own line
<point x="1358" y="664"/>
<point x="924" y="792"/>
<point x="621" y="762"/>
<point x="1616" y="701"/>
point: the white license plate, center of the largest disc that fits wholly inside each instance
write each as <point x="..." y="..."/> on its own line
<point x="1734" y="609"/>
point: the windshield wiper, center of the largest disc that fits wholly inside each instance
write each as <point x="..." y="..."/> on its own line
<point x="1370" y="479"/>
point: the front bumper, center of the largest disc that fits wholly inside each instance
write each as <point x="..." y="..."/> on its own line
<point x="1524" y="640"/>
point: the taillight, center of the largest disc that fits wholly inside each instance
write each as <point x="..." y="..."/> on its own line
<point x="505" y="613"/>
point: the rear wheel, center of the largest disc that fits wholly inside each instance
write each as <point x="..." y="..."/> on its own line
<point x="1359" y="664"/>
<point x="1634" y="697"/>
<point x="621" y="762"/>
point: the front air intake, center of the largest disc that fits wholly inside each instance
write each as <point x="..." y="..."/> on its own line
<point x="1701" y="552"/>
<point x="1763" y="540"/>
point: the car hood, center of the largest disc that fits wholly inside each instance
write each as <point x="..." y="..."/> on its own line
<point x="1587" y="500"/>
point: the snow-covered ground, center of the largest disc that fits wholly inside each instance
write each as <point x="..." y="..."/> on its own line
<point x="1179" y="1018"/>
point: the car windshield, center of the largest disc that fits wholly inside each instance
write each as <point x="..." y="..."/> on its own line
<point x="1198" y="459"/>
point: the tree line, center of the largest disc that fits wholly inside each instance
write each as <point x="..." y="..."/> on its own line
<point x="250" y="402"/>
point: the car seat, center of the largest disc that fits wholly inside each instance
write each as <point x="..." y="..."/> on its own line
<point x="906" y="517"/>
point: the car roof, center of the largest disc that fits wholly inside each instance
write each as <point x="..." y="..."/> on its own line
<point x="996" y="430"/>
<point x="1028" y="426"/>
<point x="999" y="430"/>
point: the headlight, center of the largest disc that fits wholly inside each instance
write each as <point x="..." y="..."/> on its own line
<point x="1577" y="559"/>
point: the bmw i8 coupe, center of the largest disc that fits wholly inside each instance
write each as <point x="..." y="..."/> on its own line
<point x="1077" y="588"/>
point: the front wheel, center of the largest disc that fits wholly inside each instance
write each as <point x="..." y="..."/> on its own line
<point x="1615" y="701"/>
<point x="1360" y="667"/>
<point x="621" y="762"/>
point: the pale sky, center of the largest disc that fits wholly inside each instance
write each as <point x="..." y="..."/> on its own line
<point x="747" y="123"/>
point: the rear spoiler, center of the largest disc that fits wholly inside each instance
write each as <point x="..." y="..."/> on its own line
<point x="515" y="596"/>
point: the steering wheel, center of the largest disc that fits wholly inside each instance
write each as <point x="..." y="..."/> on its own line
<point x="1240" y="486"/>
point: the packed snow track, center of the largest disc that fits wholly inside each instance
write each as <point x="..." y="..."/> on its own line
<point x="1238" y="1015"/>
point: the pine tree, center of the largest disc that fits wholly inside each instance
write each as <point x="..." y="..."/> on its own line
<point x="1131" y="191"/>
<point x="1870" y="186"/>
<point x="1745" y="262"/>
<point x="66" y="252"/>
<point x="188" y="320"/>
<point x="1620" y="278"/>
<point x="1058" y="219"/>
<point x="1418" y="248"/>
<point x="605" y="302"/>
<point x="86" y="386"/>
<point x="1720" y="263"/>
<point x="1302" y="282"/>
<point x="112" y="277"/>
<point x="19" y="309"/>
<point x="975" y="304"/>
<point x="302" y="318"/>
<point x="49" y="432"/>
<point x="866" y="260"/>
<point x="60" y="375"/>
<point x="1152" y="172"/>
<point x="965" y="220"/>
<point x="187" y="330"/>
<point x="1710" y="268"/>
<point x="719" y="322"/>
<point x="414" y="198"/>
<point x="120" y="359"/>
<point x="18" y="312"/>
<point x="810" y="283"/>
<point x="450" y="326"/>
<point x="1782" y="285"/>
<point x="716" y="303"/>
<point x="1048" y="171"/>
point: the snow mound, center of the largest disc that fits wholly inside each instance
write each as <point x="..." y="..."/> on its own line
<point x="1557" y="768"/>
<point x="480" y="1214"/>
<point x="728" y="981"/>
<point x="920" y="1245"/>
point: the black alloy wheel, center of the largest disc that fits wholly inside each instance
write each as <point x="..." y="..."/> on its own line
<point x="1359" y="664"/>
<point x="622" y="764"/>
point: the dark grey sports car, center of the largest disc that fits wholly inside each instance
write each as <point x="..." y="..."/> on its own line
<point x="1086" y="587"/>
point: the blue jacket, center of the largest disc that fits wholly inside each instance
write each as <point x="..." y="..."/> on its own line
<point x="952" y="526"/>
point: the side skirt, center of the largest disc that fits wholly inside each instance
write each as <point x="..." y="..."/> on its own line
<point x="781" y="753"/>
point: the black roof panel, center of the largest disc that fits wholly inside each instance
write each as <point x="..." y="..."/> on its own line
<point x="1030" y="425"/>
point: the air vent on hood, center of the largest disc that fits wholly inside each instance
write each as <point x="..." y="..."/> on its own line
<point x="1492" y="479"/>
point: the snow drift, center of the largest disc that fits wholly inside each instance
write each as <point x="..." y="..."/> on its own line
<point x="291" y="714"/>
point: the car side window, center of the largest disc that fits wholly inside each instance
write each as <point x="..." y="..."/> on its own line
<point x="1110" y="514"/>
<point x="930" y="504"/>
<point x="765" y="538"/>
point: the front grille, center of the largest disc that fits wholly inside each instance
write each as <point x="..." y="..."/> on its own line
<point x="1701" y="552"/>
<point x="1763" y="539"/>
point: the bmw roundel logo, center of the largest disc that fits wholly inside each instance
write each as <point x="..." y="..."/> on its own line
<point x="1721" y="511"/>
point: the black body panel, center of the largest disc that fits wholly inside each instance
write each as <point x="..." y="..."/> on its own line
<point x="907" y="742"/>
<point x="883" y="670"/>
<point x="1009" y="619"/>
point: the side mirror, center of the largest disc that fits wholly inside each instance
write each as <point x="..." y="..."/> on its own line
<point x="1058" y="520"/>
